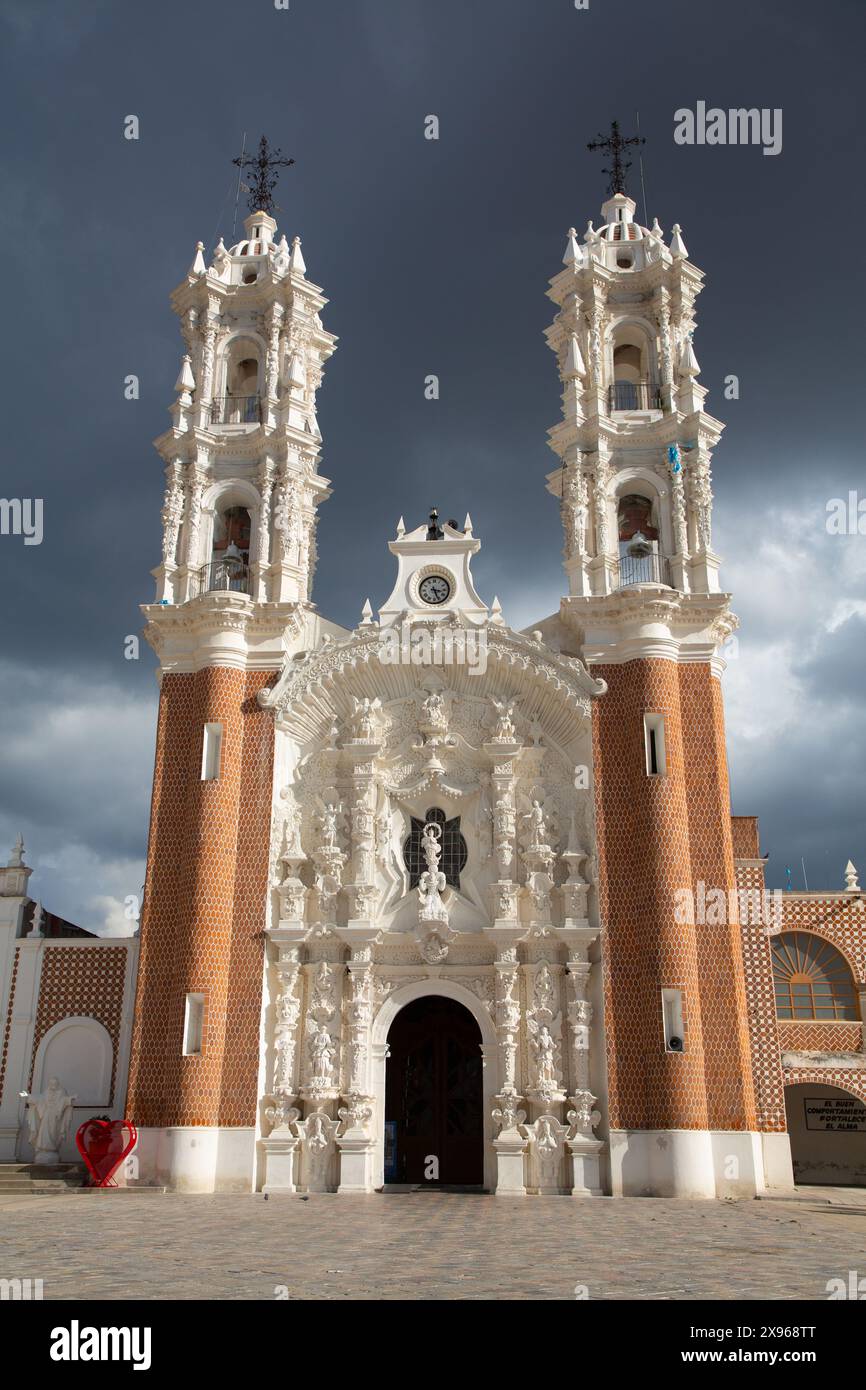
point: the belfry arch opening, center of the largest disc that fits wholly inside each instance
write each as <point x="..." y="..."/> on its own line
<point x="241" y="398"/>
<point x="230" y="549"/>
<point x="633" y="384"/>
<point x="434" y="1126"/>
<point x="640" y="560"/>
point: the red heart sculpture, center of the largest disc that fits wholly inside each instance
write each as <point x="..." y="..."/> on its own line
<point x="103" y="1146"/>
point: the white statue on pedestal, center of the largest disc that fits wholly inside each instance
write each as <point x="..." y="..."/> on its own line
<point x="432" y="881"/>
<point x="434" y="932"/>
<point x="322" y="1053"/>
<point x="49" y="1117"/>
<point x="545" y="1058"/>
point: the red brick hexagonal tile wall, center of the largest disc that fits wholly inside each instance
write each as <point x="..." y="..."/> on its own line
<point x="204" y="910"/>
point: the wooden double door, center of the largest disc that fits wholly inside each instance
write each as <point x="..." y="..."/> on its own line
<point x="433" y="1096"/>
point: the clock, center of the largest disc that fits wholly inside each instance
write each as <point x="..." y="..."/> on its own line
<point x="435" y="588"/>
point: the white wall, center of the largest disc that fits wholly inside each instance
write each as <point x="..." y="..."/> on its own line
<point x="823" y="1156"/>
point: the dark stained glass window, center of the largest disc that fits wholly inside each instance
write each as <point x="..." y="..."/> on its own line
<point x="452" y="860"/>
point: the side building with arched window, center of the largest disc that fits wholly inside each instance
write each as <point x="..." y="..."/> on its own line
<point x="805" y="970"/>
<point x="66" y="1001"/>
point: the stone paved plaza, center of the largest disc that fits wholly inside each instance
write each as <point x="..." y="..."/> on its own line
<point x="430" y="1245"/>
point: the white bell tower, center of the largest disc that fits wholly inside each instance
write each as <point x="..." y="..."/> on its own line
<point x="633" y="420"/>
<point x="242" y="455"/>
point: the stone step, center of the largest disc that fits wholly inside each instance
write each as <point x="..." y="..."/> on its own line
<point x="18" y="1178"/>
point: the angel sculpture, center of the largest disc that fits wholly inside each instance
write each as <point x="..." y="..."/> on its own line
<point x="538" y="820"/>
<point x="504" y="731"/>
<point x="364" y="718"/>
<point x="545" y="1058"/>
<point x="544" y="1049"/>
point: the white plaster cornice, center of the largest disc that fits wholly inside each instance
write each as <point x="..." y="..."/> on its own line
<point x="650" y="621"/>
<point x="223" y="628"/>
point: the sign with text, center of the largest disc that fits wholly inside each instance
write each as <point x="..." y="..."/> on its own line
<point x="838" y="1113"/>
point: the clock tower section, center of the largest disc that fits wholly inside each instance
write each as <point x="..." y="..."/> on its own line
<point x="645" y="611"/>
<point x="233" y="600"/>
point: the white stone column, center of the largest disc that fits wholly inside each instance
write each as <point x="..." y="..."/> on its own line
<point x="274" y="322"/>
<point x="280" y="1112"/>
<point x="19" y="1047"/>
<point x="192" y="558"/>
<point x="263" y="545"/>
<point x="575" y="523"/>
<point x="581" y="1143"/>
<point x="206" y="379"/>
<point x="704" y="568"/>
<point x="510" y="1141"/>
<point x="172" y="515"/>
<point x="680" y="559"/>
<point x="663" y="314"/>
<point x="604" y="567"/>
<point x="356" y="1140"/>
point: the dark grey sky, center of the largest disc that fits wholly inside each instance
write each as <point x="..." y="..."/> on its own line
<point x="435" y="256"/>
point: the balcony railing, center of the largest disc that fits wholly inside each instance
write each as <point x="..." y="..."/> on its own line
<point x="236" y="410"/>
<point x="229" y="574"/>
<point x="642" y="569"/>
<point x="634" y="395"/>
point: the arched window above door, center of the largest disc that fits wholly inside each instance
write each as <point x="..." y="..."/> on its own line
<point x="812" y="979"/>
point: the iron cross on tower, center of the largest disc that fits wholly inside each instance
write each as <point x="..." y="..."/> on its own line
<point x="615" y="146"/>
<point x="264" y="166"/>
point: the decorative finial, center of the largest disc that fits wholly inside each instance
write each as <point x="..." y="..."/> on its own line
<point x="296" y="260"/>
<point x="198" y="266"/>
<point x="851" y="880"/>
<point x="678" y="246"/>
<point x="615" y="145"/>
<point x="185" y="380"/>
<point x="573" y="254"/>
<point x="17" y="859"/>
<point x="688" y="363"/>
<point x="401" y="528"/>
<point x="573" y="364"/>
<point x="467" y="525"/>
<point x="264" y="179"/>
<point x="367" y="614"/>
<point x="36" y="927"/>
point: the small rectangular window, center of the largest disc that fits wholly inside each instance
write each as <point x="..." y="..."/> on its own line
<point x="193" y="1025"/>
<point x="672" y="1017"/>
<point x="211" y="752"/>
<point x="654" y="744"/>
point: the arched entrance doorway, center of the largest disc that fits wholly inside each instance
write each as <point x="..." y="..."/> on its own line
<point x="434" y="1129"/>
<point x="827" y="1128"/>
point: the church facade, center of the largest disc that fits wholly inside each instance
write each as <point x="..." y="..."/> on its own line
<point x="435" y="901"/>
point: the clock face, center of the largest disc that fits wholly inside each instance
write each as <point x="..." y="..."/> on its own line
<point x="435" y="588"/>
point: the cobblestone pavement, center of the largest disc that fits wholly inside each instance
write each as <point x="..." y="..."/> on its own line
<point x="429" y="1245"/>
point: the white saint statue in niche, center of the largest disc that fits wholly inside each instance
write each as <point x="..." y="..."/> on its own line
<point x="48" y="1119"/>
<point x="322" y="1053"/>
